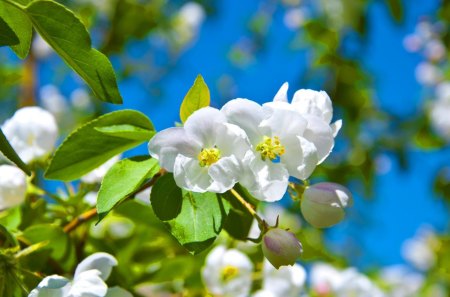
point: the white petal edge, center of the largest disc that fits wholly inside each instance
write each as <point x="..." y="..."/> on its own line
<point x="167" y="144"/>
<point x="281" y="95"/>
<point x="102" y="262"/>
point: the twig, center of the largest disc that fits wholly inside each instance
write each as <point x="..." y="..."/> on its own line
<point x="87" y="215"/>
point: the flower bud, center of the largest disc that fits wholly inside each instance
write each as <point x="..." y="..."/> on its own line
<point x="323" y="204"/>
<point x="281" y="247"/>
<point x="13" y="186"/>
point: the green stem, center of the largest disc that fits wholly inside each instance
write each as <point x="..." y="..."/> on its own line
<point x="249" y="207"/>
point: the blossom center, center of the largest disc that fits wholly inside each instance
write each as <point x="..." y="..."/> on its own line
<point x="229" y="272"/>
<point x="270" y="148"/>
<point x="208" y="156"/>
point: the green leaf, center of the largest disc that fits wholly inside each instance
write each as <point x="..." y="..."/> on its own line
<point x="65" y="33"/>
<point x="239" y="221"/>
<point x="9" y="153"/>
<point x="122" y="180"/>
<point x="86" y="148"/>
<point x="196" y="98"/>
<point x="19" y="23"/>
<point x="7" y="35"/>
<point x="396" y="9"/>
<point x="127" y="132"/>
<point x="166" y="198"/>
<point x="194" y="219"/>
<point x="59" y="242"/>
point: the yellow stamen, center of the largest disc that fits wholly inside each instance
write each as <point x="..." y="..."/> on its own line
<point x="270" y="148"/>
<point x="229" y="272"/>
<point x="208" y="156"/>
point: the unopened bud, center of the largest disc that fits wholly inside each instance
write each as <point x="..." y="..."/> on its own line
<point x="281" y="247"/>
<point x="323" y="204"/>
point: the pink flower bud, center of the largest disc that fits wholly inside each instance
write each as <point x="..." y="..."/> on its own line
<point x="323" y="204"/>
<point x="281" y="247"/>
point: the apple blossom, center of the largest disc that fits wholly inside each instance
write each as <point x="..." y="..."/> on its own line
<point x="279" y="148"/>
<point x="281" y="247"/>
<point x="440" y="109"/>
<point x="228" y="273"/>
<point x="323" y="204"/>
<point x="419" y="250"/>
<point x="401" y="282"/>
<point x="317" y="109"/>
<point x="326" y="280"/>
<point x="205" y="154"/>
<point x="97" y="175"/>
<point x="13" y="186"/>
<point x="32" y="132"/>
<point x="287" y="281"/>
<point x="89" y="280"/>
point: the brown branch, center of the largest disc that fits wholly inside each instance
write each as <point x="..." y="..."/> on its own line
<point x="27" y="97"/>
<point x="87" y="215"/>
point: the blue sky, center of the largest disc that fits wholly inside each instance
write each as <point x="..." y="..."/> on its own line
<point x="403" y="199"/>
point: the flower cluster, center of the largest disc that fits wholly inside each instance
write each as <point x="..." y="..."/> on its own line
<point x="259" y="146"/>
<point x="427" y="40"/>
<point x="89" y="280"/>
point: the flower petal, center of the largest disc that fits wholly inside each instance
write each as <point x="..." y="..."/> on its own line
<point x="88" y="284"/>
<point x="300" y="157"/>
<point x="335" y="127"/>
<point x="224" y="174"/>
<point x="202" y="125"/>
<point x="314" y="103"/>
<point x="232" y="140"/>
<point x="265" y="180"/>
<point x="51" y="286"/>
<point x="167" y="144"/>
<point x="247" y="115"/>
<point x="102" y="262"/>
<point x="282" y="122"/>
<point x="321" y="134"/>
<point x="281" y="95"/>
<point x="189" y="175"/>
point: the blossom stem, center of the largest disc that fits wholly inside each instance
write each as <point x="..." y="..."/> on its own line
<point x="249" y="207"/>
<point x="89" y="214"/>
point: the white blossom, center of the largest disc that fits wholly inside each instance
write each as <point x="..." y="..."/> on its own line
<point x="323" y="204"/>
<point x="32" y="132"/>
<point x="317" y="109"/>
<point x="205" y="154"/>
<point x="227" y="273"/>
<point x="89" y="280"/>
<point x="13" y="186"/>
<point x="401" y="282"/>
<point x="428" y="74"/>
<point x="40" y="47"/>
<point x="419" y="250"/>
<point x="96" y="175"/>
<point x="326" y="280"/>
<point x="440" y="110"/>
<point x="279" y="148"/>
<point x="53" y="101"/>
<point x="80" y="99"/>
<point x="186" y="23"/>
<point x="294" y="18"/>
<point x="287" y="281"/>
